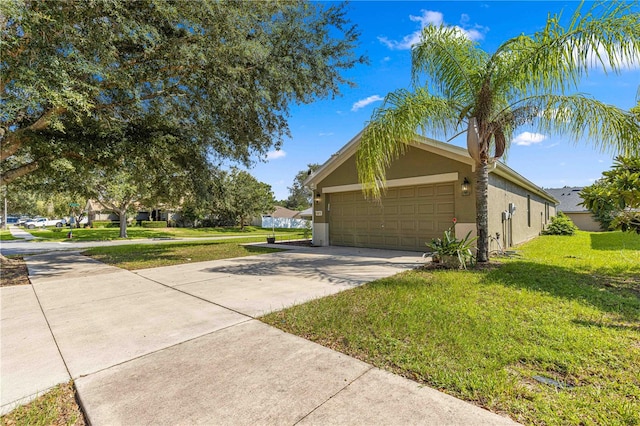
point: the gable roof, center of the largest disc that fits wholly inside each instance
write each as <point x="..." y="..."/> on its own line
<point x="282" y="212"/>
<point x="569" y="198"/>
<point x="437" y="147"/>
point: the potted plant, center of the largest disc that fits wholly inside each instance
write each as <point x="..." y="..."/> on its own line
<point x="453" y="252"/>
<point x="271" y="239"/>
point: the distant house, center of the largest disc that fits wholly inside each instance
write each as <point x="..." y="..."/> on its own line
<point x="281" y="217"/>
<point x="96" y="211"/>
<point x="570" y="200"/>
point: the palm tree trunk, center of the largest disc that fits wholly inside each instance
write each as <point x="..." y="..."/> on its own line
<point x="482" y="211"/>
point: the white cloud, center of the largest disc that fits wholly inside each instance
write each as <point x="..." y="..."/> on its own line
<point x="274" y="155"/>
<point x="595" y="58"/>
<point x="527" y="138"/>
<point x="430" y="17"/>
<point x="325" y="134"/>
<point x="364" y="102"/>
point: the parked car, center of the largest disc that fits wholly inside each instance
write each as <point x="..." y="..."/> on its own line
<point x="23" y="220"/>
<point x="42" y="222"/>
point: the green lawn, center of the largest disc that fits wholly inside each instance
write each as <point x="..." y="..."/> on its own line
<point x="139" y="256"/>
<point x="567" y="310"/>
<point x="101" y="234"/>
<point x="5" y="235"/>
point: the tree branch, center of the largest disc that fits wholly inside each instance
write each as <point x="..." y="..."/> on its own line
<point x="14" y="140"/>
<point x="13" y="174"/>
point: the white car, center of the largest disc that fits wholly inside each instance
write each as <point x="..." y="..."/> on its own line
<point x="42" y="222"/>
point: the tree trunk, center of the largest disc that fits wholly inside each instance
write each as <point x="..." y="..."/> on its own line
<point x="482" y="211"/>
<point x="123" y="223"/>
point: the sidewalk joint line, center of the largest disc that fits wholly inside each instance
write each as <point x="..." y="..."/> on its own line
<point x="371" y="367"/>
<point x="197" y="297"/>
<point x="53" y="336"/>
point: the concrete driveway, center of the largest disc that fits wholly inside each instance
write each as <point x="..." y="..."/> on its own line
<point x="180" y="345"/>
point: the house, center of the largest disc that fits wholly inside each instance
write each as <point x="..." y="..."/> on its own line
<point x="426" y="188"/>
<point x="570" y="201"/>
<point x="281" y="217"/>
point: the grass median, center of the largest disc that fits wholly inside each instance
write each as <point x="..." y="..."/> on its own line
<point x="140" y="256"/>
<point x="135" y="232"/>
<point x="552" y="337"/>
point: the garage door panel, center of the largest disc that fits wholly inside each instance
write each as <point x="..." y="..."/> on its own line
<point x="409" y="209"/>
<point x="446" y="189"/>
<point x="406" y="219"/>
<point x="425" y="191"/>
<point x="446" y="209"/>
<point x="407" y="193"/>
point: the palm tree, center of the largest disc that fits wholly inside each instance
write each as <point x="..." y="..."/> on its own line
<point x="458" y="86"/>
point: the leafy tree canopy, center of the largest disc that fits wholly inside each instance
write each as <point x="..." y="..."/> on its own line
<point x="618" y="191"/>
<point x="301" y="198"/>
<point x="226" y="72"/>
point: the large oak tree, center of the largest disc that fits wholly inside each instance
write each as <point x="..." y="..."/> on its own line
<point x="226" y="71"/>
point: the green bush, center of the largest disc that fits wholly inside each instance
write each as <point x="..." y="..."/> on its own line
<point x="154" y="224"/>
<point x="561" y="225"/>
<point x="105" y="224"/>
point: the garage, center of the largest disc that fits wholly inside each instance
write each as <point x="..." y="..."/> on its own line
<point x="405" y="219"/>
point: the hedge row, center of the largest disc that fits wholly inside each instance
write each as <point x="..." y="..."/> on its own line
<point x="154" y="224"/>
<point x="105" y="224"/>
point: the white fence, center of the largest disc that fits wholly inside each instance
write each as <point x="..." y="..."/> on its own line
<point x="283" y="222"/>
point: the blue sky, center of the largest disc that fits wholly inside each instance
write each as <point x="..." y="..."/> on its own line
<point x="387" y="31"/>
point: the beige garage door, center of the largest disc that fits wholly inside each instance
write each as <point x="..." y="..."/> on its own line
<point x="405" y="219"/>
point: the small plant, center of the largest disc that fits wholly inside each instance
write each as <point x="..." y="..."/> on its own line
<point x="307" y="230"/>
<point x="451" y="247"/>
<point x="560" y="225"/>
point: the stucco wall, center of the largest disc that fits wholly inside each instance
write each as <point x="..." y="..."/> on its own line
<point x="416" y="162"/>
<point x="532" y="212"/>
<point x="585" y="221"/>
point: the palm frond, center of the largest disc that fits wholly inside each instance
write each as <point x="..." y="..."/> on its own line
<point x="393" y="127"/>
<point x="452" y="63"/>
<point x="607" y="36"/>
<point x="606" y="127"/>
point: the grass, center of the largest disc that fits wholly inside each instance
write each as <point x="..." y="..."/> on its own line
<point x="56" y="407"/>
<point x="5" y="235"/>
<point x="139" y="256"/>
<point x="568" y="310"/>
<point x="103" y="234"/>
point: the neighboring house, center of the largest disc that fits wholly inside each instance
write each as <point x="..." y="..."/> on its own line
<point x="96" y="211"/>
<point x="570" y="201"/>
<point x="281" y="217"/>
<point x="426" y="188"/>
<point x="306" y="214"/>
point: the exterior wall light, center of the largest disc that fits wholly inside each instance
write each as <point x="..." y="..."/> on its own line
<point x="318" y="198"/>
<point x="466" y="187"/>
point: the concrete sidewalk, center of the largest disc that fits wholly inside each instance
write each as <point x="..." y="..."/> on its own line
<point x="180" y="345"/>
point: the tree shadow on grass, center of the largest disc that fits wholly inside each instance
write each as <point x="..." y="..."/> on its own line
<point x="615" y="241"/>
<point x="586" y="288"/>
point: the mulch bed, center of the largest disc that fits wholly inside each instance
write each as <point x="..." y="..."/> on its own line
<point x="430" y="266"/>
<point x="302" y="243"/>
<point x="14" y="271"/>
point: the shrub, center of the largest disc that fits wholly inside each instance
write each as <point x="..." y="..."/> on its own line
<point x="450" y="246"/>
<point x="560" y="225"/>
<point x="154" y="224"/>
<point x="104" y="224"/>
